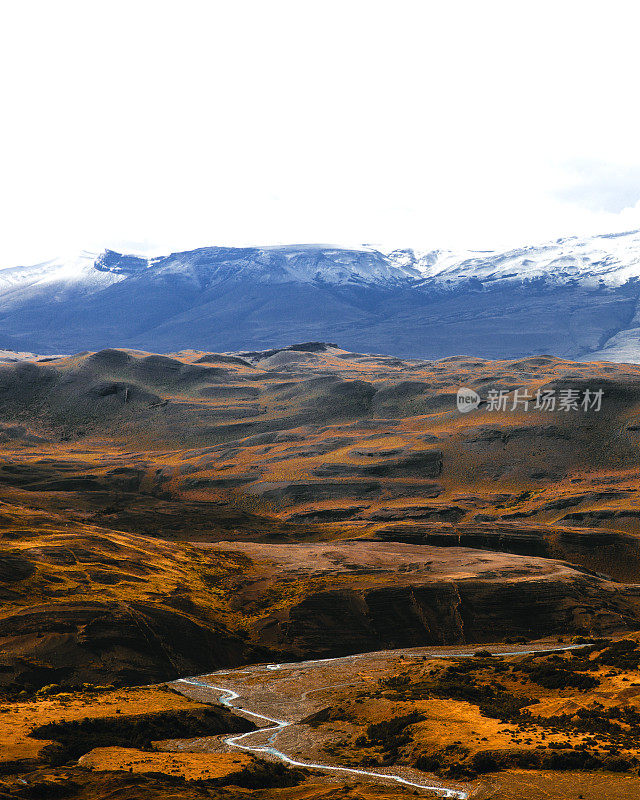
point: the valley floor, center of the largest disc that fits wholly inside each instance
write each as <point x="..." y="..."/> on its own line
<point x="543" y="720"/>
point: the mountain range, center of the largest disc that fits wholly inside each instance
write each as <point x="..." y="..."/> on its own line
<point x="575" y="298"/>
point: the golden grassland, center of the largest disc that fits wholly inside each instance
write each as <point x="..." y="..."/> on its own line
<point x="562" y="710"/>
<point x="190" y="766"/>
<point x="18" y="719"/>
<point x="331" y="417"/>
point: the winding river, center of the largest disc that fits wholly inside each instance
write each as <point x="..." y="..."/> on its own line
<point x="228" y="698"/>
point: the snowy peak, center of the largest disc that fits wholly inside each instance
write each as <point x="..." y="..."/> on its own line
<point x="54" y="280"/>
<point x="110" y="261"/>
<point x="76" y="267"/>
<point x="297" y="263"/>
<point x="609" y="259"/>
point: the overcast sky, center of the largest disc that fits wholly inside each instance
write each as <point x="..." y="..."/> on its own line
<point x="156" y="126"/>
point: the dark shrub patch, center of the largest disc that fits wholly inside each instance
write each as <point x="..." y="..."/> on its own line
<point x="484" y="761"/>
<point x="49" y="790"/>
<point x="623" y="655"/>
<point x="390" y="735"/>
<point x="552" y="677"/>
<point x="264" y="775"/>
<point x="73" y="739"/>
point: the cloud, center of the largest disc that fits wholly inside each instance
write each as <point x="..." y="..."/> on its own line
<point x="601" y="186"/>
<point x="159" y="126"/>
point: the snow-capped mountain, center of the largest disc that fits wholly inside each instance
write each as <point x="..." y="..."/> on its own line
<point x="610" y="259"/>
<point x="74" y="269"/>
<point x="306" y="263"/>
<point x="54" y="279"/>
<point x="575" y="297"/>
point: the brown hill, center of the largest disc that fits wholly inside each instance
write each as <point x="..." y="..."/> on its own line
<point x="114" y="461"/>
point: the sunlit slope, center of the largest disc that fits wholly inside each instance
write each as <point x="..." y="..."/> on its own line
<point x="317" y="435"/>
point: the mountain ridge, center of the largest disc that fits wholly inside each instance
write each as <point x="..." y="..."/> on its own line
<point x="576" y="297"/>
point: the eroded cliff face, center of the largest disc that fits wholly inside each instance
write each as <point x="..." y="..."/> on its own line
<point x="339" y="598"/>
<point x="335" y="623"/>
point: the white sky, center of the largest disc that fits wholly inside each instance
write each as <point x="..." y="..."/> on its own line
<point x="155" y="126"/>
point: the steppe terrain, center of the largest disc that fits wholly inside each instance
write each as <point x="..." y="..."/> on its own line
<point x="171" y="516"/>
